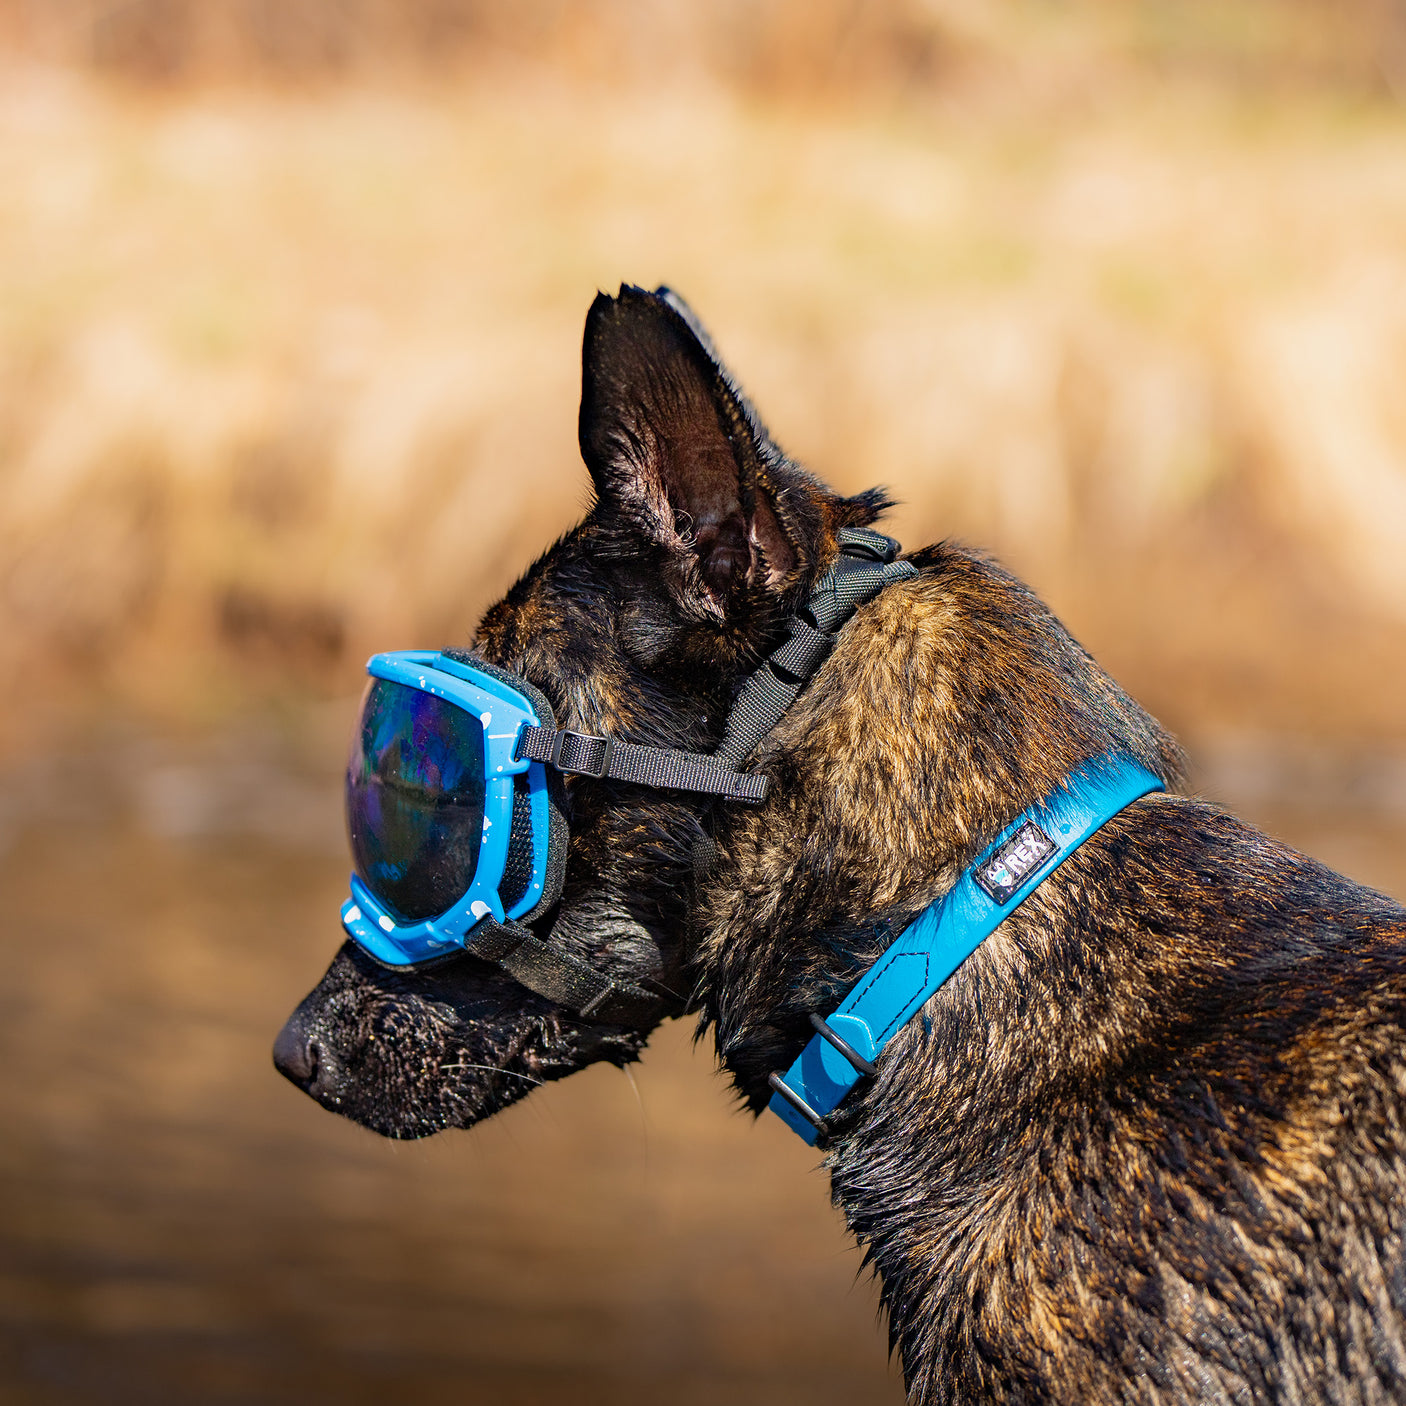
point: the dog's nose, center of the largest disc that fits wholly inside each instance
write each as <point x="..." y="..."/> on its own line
<point x="295" y="1053"/>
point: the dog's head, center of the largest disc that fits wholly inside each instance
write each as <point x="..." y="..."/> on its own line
<point x="640" y="623"/>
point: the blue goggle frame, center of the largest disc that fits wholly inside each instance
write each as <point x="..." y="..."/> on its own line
<point x="503" y="712"/>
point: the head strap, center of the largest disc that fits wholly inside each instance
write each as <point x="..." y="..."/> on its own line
<point x="581" y="754"/>
<point x="865" y="565"/>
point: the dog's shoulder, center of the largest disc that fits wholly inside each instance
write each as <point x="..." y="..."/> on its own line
<point x="1167" y="1102"/>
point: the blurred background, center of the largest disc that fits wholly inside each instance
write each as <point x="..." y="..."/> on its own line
<point x="291" y="294"/>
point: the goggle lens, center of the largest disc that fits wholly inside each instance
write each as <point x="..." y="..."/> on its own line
<point x="415" y="788"/>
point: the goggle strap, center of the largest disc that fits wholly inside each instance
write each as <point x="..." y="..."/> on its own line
<point x="581" y="754"/>
<point x="865" y="565"/>
<point x="565" y="979"/>
<point x="867" y="562"/>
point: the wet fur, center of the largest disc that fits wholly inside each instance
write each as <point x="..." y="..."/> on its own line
<point x="1146" y="1145"/>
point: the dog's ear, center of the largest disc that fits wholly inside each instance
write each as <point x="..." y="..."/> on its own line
<point x="679" y="457"/>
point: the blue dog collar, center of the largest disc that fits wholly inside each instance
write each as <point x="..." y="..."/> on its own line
<point x="945" y="934"/>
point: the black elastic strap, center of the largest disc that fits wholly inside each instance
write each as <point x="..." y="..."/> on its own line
<point x="705" y="856"/>
<point x="864" y="566"/>
<point x="554" y="973"/>
<point x="581" y="754"/>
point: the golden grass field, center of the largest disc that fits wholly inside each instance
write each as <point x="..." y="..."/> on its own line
<point x="289" y="334"/>
<point x="291" y="297"/>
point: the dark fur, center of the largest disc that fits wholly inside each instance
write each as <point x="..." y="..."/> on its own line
<point x="1146" y="1145"/>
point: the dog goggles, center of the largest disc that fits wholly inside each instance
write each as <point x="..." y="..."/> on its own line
<point x="454" y="806"/>
<point x="447" y="824"/>
<point x="457" y="815"/>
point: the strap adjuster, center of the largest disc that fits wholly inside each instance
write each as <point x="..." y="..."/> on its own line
<point x="864" y="542"/>
<point x="580" y="744"/>
<point x="780" y="1086"/>
<point x="857" y="1060"/>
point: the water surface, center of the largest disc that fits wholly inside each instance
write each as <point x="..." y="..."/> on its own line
<point x="179" y="1224"/>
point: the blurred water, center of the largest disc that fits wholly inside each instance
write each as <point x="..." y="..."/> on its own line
<point x="178" y="1224"/>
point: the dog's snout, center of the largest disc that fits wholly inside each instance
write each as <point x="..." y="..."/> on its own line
<point x="295" y="1052"/>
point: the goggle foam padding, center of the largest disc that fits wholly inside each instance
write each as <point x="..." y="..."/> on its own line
<point x="518" y="869"/>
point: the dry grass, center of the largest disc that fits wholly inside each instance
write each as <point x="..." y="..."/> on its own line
<point x="288" y="372"/>
<point x="799" y="48"/>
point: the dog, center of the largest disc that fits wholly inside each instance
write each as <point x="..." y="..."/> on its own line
<point x="1147" y="1143"/>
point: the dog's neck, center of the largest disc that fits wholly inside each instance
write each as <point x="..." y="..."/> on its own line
<point x="981" y="1111"/>
<point x="910" y="752"/>
<point x="951" y="703"/>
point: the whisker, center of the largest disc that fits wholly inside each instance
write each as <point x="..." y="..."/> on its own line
<point x="664" y="987"/>
<point x="630" y="1075"/>
<point x="492" y="1069"/>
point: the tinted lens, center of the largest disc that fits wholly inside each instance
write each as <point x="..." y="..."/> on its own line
<point x="415" y="799"/>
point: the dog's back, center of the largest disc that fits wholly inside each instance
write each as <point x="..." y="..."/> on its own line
<point x="1179" y="1174"/>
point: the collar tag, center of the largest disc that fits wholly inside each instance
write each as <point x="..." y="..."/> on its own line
<point x="1015" y="861"/>
<point x="946" y="933"/>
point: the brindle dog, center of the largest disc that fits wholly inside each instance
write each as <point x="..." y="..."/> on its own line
<point x="1148" y="1144"/>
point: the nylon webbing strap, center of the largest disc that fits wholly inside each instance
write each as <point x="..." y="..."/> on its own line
<point x="863" y="568"/>
<point x="582" y="754"/>
<point x="556" y="974"/>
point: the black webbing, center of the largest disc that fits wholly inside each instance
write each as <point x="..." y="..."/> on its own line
<point x="553" y="972"/>
<point x="582" y="754"/>
<point x="863" y="568"/>
<point x="865" y="565"/>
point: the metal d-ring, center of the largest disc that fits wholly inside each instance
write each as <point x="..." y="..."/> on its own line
<point x="840" y="1043"/>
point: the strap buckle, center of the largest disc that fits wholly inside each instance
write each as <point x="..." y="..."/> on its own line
<point x="864" y="542"/>
<point x="581" y="742"/>
<point x="779" y="1085"/>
